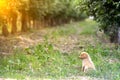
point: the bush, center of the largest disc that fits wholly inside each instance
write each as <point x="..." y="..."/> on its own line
<point x="107" y="14"/>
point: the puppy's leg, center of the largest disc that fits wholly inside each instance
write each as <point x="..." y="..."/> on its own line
<point x="84" y="68"/>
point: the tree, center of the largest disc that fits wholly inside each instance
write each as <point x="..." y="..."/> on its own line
<point x="107" y="13"/>
<point x="14" y="22"/>
<point x="3" y="24"/>
<point x="35" y="13"/>
<point x="23" y="9"/>
<point x="3" y="16"/>
<point x="5" y="31"/>
<point x="8" y="12"/>
<point x="12" y="13"/>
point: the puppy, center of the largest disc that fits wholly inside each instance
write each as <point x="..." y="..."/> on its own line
<point x="86" y="62"/>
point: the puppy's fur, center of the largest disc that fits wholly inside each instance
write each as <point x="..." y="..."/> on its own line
<point x="86" y="62"/>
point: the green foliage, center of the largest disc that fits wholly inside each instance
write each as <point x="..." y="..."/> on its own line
<point x="54" y="8"/>
<point x="40" y="12"/>
<point x="107" y="13"/>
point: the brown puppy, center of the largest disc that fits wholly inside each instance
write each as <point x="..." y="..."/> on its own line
<point x="86" y="62"/>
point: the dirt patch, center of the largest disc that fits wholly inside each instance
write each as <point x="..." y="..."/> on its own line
<point x="81" y="78"/>
<point x="8" y="44"/>
<point x="112" y="60"/>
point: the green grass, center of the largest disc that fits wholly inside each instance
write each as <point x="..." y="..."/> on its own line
<point x="103" y="58"/>
<point x="43" y="61"/>
<point x="88" y="27"/>
<point x="63" y="30"/>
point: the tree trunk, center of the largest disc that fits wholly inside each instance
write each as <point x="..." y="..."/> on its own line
<point x="5" y="31"/>
<point x="24" y="27"/>
<point x="34" y="24"/>
<point x="14" y="23"/>
<point x="115" y="36"/>
<point x="119" y="35"/>
<point x="29" y="23"/>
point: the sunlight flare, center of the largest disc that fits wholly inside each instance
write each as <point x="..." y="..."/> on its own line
<point x="3" y="7"/>
<point x="3" y="4"/>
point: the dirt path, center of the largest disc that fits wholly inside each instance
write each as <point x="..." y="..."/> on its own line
<point x="66" y="43"/>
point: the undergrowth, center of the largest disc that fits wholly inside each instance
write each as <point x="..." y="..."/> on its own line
<point x="43" y="61"/>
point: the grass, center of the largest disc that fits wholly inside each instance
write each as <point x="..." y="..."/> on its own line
<point x="107" y="63"/>
<point x="88" y="27"/>
<point x="43" y="61"/>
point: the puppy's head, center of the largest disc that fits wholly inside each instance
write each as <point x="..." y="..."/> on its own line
<point x="83" y="55"/>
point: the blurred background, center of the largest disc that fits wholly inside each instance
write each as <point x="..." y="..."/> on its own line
<point x="42" y="39"/>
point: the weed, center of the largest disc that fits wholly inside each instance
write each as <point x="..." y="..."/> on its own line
<point x="43" y="61"/>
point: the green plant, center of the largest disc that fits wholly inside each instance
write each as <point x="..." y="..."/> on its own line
<point x="88" y="29"/>
<point x="107" y="14"/>
<point x="43" y="61"/>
